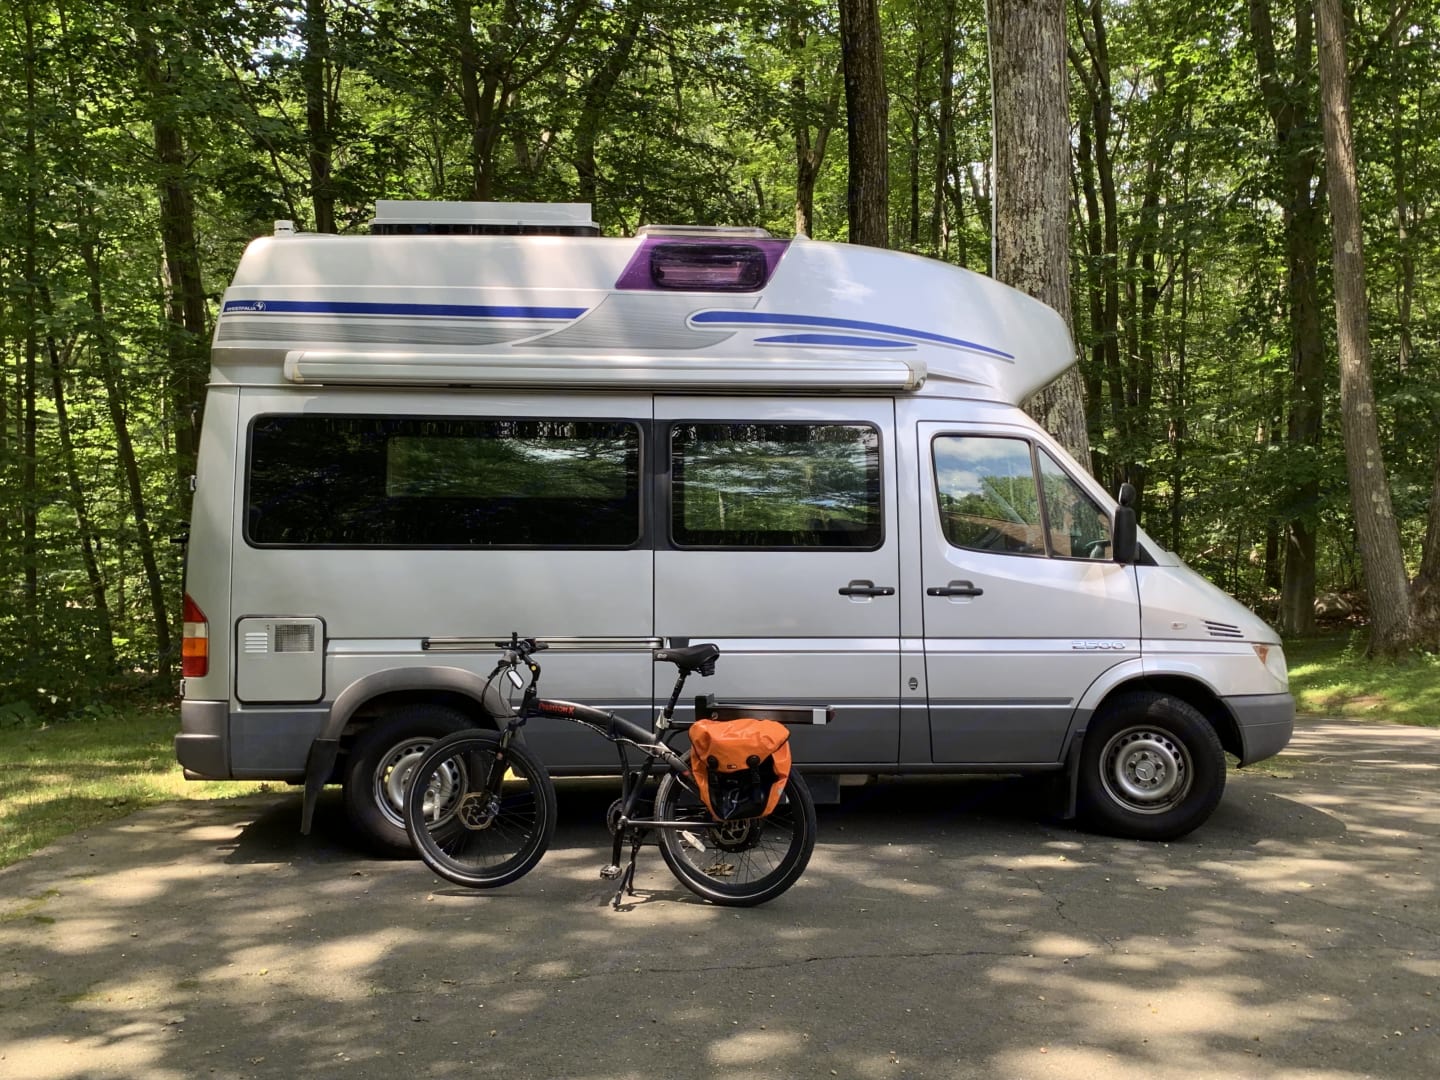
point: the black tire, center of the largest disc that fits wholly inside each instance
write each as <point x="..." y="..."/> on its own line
<point x="378" y="769"/>
<point x="1151" y="768"/>
<point x="465" y="832"/>
<point x="740" y="863"/>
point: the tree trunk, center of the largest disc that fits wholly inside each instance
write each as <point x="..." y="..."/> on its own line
<point x="29" y="495"/>
<point x="1032" y="185"/>
<point x="319" y="123"/>
<point x="809" y="143"/>
<point x="1288" y="102"/>
<point x="1376" y="531"/>
<point x="1426" y="591"/>
<point x="866" y="105"/>
<point x="77" y="495"/>
<point x="111" y="377"/>
<point x="597" y="94"/>
<point x="185" y="305"/>
<point x="945" y="132"/>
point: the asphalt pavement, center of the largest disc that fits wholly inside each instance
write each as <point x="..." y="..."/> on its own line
<point x="944" y="928"/>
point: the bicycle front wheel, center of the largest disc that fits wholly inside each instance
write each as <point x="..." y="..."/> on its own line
<point x="477" y="814"/>
<point x="736" y="863"/>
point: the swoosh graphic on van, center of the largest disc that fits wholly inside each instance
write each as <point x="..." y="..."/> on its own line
<point x="777" y="319"/>
<point x="835" y="340"/>
<point x="353" y="307"/>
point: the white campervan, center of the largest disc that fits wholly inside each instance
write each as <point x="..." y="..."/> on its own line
<point x="485" y="418"/>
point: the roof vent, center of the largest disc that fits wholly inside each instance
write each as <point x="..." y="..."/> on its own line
<point x="397" y="217"/>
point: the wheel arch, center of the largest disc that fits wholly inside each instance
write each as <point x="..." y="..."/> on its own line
<point x="1131" y="676"/>
<point x="372" y="695"/>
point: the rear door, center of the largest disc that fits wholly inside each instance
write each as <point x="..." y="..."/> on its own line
<point x="1023" y="608"/>
<point x="776" y="538"/>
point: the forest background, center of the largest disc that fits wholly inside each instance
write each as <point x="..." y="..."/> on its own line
<point x="143" y="144"/>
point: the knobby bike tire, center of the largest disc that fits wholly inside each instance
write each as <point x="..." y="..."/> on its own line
<point x="462" y="830"/>
<point x="736" y="863"/>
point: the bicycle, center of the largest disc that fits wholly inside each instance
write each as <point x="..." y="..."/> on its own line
<point x="480" y="807"/>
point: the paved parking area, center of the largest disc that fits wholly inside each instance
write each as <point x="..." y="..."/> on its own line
<point x="943" y="929"/>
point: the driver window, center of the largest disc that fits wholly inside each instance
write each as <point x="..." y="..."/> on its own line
<point x="987" y="494"/>
<point x="1078" y="528"/>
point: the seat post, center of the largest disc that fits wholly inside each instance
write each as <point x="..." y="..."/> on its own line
<point x="675" y="695"/>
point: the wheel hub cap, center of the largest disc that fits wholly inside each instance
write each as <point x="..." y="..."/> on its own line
<point x="1147" y="770"/>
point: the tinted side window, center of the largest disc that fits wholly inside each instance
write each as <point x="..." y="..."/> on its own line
<point x="371" y="481"/>
<point x="791" y="485"/>
<point x="987" y="494"/>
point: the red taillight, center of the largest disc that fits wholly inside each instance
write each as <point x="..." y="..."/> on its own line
<point x="195" y="645"/>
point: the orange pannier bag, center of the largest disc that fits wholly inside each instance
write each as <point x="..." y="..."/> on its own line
<point x="740" y="766"/>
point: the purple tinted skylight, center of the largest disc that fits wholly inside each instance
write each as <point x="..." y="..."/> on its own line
<point x="702" y="264"/>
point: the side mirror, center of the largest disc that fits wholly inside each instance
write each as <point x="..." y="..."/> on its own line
<point x="1125" y="547"/>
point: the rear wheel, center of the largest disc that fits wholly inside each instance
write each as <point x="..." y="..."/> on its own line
<point x="478" y="815"/>
<point x="736" y="863"/>
<point x="1151" y="768"/>
<point x="379" y="766"/>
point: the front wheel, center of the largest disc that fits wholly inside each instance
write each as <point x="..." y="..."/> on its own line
<point x="1151" y="768"/>
<point x="736" y="863"/>
<point x="479" y="815"/>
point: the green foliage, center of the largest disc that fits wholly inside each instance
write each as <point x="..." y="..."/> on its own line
<point x="1331" y="675"/>
<point x="689" y="111"/>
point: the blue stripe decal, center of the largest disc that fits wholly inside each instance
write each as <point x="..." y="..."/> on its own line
<point x="837" y="340"/>
<point x="347" y="307"/>
<point x="759" y="318"/>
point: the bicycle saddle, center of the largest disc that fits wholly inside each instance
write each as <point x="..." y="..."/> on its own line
<point x="691" y="658"/>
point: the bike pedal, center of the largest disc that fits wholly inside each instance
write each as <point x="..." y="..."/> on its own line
<point x="610" y="873"/>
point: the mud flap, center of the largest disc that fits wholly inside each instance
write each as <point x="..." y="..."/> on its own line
<point x="1068" y="790"/>
<point x="318" y="766"/>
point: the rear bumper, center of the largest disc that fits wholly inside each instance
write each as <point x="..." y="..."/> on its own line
<point x="1266" y="722"/>
<point x="201" y="745"/>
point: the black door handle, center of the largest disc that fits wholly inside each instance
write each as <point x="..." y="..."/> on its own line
<point x="955" y="588"/>
<point x="866" y="587"/>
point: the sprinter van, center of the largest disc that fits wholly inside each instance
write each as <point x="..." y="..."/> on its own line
<point x="485" y="418"/>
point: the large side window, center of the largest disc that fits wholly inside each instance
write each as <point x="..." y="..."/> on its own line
<point x="782" y="485"/>
<point x="990" y="501"/>
<point x="373" y="481"/>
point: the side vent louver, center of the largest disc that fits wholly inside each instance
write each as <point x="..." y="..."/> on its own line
<point x="1223" y="630"/>
<point x="257" y="642"/>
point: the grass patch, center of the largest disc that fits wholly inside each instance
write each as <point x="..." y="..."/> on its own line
<point x="72" y="774"/>
<point x="1331" y="676"/>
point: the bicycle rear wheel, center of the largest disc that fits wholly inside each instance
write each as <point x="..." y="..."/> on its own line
<point x="736" y="863"/>
<point x="478" y="815"/>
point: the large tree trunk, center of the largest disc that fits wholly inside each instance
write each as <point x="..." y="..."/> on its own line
<point x="1376" y="531"/>
<point x="1032" y="184"/>
<point x="185" y="304"/>
<point x="319" y="121"/>
<point x="868" y="196"/>
<point x="1289" y="104"/>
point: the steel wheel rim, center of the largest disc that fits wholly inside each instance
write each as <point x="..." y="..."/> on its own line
<point x="1146" y="770"/>
<point x="392" y="778"/>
